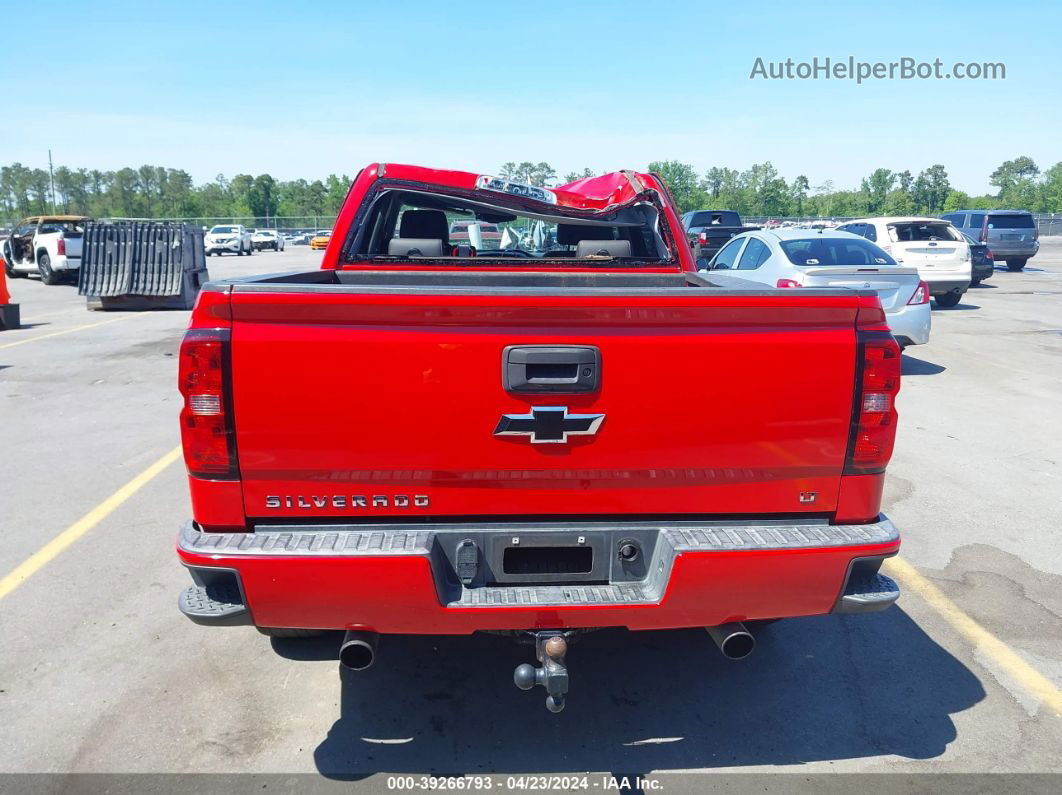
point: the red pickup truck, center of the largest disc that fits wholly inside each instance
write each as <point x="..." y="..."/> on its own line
<point x="576" y="430"/>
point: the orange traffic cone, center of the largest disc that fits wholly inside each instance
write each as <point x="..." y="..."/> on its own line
<point x="8" y="311"/>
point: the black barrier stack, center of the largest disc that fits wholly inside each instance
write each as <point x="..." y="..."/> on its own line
<point x="142" y="265"/>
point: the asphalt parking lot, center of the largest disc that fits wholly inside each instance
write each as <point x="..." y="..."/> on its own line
<point x="100" y="673"/>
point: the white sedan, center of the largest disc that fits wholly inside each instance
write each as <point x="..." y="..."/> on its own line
<point x="829" y="258"/>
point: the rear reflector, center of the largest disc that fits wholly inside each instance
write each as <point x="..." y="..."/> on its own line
<point x="876" y="403"/>
<point x="921" y="295"/>
<point x="207" y="430"/>
<point x="873" y="430"/>
<point x="204" y="405"/>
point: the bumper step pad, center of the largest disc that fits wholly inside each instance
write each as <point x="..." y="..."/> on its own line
<point x="219" y="604"/>
<point x="864" y="591"/>
<point x="868" y="594"/>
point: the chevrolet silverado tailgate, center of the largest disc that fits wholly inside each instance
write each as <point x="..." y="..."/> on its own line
<point x="392" y="403"/>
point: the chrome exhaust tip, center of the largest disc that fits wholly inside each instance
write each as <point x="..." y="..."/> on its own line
<point x="358" y="650"/>
<point x="733" y="640"/>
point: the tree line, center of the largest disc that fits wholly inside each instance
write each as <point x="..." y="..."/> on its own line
<point x="159" y="192"/>
<point x="761" y="191"/>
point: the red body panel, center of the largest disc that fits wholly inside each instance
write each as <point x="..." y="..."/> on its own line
<point x="713" y="404"/>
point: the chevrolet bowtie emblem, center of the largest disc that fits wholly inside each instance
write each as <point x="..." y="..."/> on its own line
<point x="549" y="424"/>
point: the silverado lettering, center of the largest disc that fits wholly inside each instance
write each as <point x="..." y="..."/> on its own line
<point x="342" y="501"/>
<point x="738" y="478"/>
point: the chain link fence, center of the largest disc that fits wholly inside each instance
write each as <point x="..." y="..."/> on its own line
<point x="1047" y="223"/>
<point x="282" y="223"/>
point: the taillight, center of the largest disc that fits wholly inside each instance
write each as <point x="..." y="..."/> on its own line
<point x="988" y="254"/>
<point x="1036" y="233"/>
<point x="702" y="238"/>
<point x="921" y="295"/>
<point x="877" y="381"/>
<point x="207" y="429"/>
<point x="786" y="283"/>
<point x="984" y="230"/>
<point x="60" y="246"/>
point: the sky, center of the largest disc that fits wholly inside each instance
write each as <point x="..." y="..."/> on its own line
<point x="311" y="88"/>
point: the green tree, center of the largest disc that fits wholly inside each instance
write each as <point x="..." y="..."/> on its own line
<point x="1011" y="172"/>
<point x="898" y="202"/>
<point x="955" y="200"/>
<point x="930" y="190"/>
<point x="681" y="180"/>
<point x="575" y="176"/>
<point x="822" y="203"/>
<point x="798" y="193"/>
<point x="63" y="187"/>
<point x="877" y="187"/>
<point x="262" y="197"/>
<point x="1051" y="190"/>
<point x="336" y="188"/>
<point x="713" y="181"/>
<point x="39" y="190"/>
<point x="539" y="174"/>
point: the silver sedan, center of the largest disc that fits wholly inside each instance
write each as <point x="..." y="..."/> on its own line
<point x="828" y="258"/>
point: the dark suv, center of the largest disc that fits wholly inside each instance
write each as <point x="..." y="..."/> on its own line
<point x="1011" y="234"/>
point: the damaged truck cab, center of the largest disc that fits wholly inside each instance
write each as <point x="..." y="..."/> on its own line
<point x="437" y="436"/>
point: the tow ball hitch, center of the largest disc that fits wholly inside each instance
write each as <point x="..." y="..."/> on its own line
<point x="550" y="648"/>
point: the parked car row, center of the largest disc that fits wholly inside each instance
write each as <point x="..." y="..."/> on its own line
<point x="50" y="245"/>
<point x="238" y="239"/>
<point x="907" y="260"/>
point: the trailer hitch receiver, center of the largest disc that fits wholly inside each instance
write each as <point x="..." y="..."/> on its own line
<point x="550" y="648"/>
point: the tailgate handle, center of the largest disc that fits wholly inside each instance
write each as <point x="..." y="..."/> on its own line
<point x="551" y="368"/>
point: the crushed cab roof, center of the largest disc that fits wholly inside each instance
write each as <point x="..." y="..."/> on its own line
<point x="591" y="193"/>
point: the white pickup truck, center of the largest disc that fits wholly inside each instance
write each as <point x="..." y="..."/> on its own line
<point x="46" y="244"/>
<point x="234" y="238"/>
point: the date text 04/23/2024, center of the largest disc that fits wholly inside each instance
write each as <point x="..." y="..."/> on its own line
<point x="605" y="782"/>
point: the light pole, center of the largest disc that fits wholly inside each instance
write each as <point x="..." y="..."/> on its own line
<point x="51" y="179"/>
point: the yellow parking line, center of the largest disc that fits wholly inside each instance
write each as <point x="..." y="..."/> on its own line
<point x="69" y="330"/>
<point x="999" y="652"/>
<point x="46" y="554"/>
